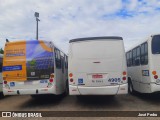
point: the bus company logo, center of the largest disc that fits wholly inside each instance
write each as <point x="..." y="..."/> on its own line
<point x="6" y="114"/>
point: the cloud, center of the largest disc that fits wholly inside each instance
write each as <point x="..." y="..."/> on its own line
<point x="62" y="20"/>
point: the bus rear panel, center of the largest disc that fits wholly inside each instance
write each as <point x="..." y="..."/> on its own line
<point x="28" y="68"/>
<point x="1" y="81"/>
<point x="97" y="67"/>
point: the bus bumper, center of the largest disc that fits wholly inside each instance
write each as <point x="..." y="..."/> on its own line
<point x="154" y="87"/>
<point x="28" y="91"/>
<point x="104" y="90"/>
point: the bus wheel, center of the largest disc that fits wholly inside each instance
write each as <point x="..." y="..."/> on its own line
<point x="130" y="88"/>
<point x="66" y="89"/>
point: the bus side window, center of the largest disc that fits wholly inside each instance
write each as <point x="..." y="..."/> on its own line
<point x="66" y="62"/>
<point x="134" y="57"/>
<point x="62" y="61"/>
<point x="137" y="60"/>
<point x="127" y="57"/>
<point x="130" y="58"/>
<point x="58" y="59"/>
<point x="144" y="54"/>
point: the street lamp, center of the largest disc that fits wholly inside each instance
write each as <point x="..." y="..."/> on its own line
<point x="37" y="15"/>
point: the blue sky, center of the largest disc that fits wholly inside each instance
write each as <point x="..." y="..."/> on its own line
<point x="62" y="20"/>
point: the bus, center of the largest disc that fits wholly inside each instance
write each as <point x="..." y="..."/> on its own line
<point x="1" y="81"/>
<point x="97" y="66"/>
<point x="34" y="67"/>
<point x="143" y="66"/>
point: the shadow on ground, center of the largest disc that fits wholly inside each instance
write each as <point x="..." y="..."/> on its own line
<point x="153" y="98"/>
<point x="98" y="101"/>
<point x="42" y="101"/>
<point x="3" y="97"/>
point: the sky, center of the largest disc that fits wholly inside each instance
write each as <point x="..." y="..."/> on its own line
<point x="63" y="20"/>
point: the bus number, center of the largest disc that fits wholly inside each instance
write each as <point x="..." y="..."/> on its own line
<point x="114" y="80"/>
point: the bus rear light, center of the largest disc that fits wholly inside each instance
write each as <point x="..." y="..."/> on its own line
<point x="71" y="80"/>
<point x="4" y="78"/>
<point x="51" y="80"/>
<point x="70" y="75"/>
<point x="156" y="76"/>
<point x="5" y="82"/>
<point x="124" y="78"/>
<point x="154" y="72"/>
<point x="52" y="75"/>
<point x="124" y="73"/>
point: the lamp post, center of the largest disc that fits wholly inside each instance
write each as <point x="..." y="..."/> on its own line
<point x="37" y="15"/>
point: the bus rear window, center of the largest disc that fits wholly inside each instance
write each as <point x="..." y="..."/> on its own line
<point x="97" y="49"/>
<point x="156" y="44"/>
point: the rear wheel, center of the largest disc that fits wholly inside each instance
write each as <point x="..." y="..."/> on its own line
<point x="66" y="89"/>
<point x="1" y="95"/>
<point x="130" y="88"/>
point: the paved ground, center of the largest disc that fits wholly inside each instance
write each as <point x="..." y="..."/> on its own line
<point x="128" y="102"/>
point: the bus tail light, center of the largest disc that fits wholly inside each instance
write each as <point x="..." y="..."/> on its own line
<point x="51" y="80"/>
<point x="156" y="76"/>
<point x="124" y="78"/>
<point x="70" y="75"/>
<point x="71" y="80"/>
<point x="5" y="82"/>
<point x="124" y="73"/>
<point x="154" y="72"/>
<point x="52" y="76"/>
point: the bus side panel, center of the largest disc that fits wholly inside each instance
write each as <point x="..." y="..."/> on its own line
<point x="1" y="82"/>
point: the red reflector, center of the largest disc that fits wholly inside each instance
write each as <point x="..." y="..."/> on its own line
<point x="71" y="80"/>
<point x="10" y="91"/>
<point x="156" y="76"/>
<point x="50" y="80"/>
<point x="5" y="82"/>
<point x="124" y="78"/>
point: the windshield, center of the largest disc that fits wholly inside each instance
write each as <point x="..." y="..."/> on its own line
<point x="156" y="44"/>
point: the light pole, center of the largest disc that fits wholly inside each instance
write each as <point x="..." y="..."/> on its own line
<point x="37" y="15"/>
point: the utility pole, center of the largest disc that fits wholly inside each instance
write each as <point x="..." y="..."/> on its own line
<point x="37" y="16"/>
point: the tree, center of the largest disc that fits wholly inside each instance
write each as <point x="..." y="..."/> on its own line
<point x="1" y="51"/>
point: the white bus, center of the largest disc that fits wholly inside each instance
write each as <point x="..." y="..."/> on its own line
<point x="143" y="62"/>
<point x="97" y="66"/>
<point x="1" y="81"/>
<point x="34" y="67"/>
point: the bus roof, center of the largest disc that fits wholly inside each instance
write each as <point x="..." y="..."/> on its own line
<point x="23" y="41"/>
<point x="96" y="38"/>
<point x="141" y="42"/>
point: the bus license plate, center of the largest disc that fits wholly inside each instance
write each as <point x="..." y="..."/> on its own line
<point x="28" y="83"/>
<point x="97" y="76"/>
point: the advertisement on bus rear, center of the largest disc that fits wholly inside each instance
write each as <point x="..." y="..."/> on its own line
<point x="28" y="60"/>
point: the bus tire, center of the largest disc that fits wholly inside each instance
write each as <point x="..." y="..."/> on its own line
<point x="67" y="88"/>
<point x="130" y="88"/>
